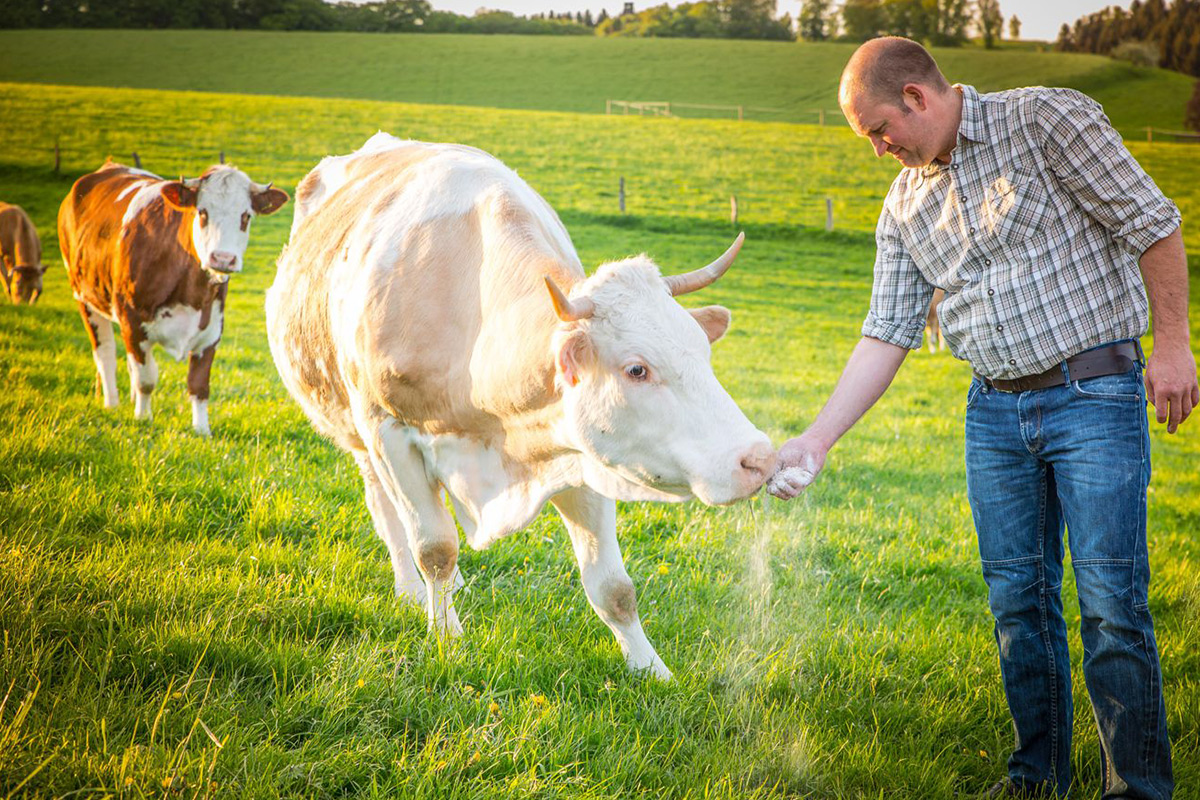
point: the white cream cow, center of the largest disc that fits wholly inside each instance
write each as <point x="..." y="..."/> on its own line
<point x="418" y="319"/>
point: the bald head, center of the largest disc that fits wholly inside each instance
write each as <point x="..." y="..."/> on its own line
<point x="881" y="68"/>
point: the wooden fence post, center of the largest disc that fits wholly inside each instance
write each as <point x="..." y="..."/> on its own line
<point x="607" y="107"/>
<point x="740" y="114"/>
<point x="57" y="155"/>
<point x="829" y="213"/>
<point x="733" y="209"/>
<point x="222" y="156"/>
<point x="1149" y="134"/>
<point x="621" y="194"/>
<point x="137" y="162"/>
<point x="821" y="117"/>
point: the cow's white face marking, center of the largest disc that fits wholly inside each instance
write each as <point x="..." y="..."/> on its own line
<point x="221" y="225"/>
<point x="647" y="406"/>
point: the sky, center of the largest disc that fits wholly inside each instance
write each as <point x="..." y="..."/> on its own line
<point x="1040" y="19"/>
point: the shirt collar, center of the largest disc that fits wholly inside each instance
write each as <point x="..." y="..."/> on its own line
<point x="970" y="128"/>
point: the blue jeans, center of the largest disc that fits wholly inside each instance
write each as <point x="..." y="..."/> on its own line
<point x="1076" y="456"/>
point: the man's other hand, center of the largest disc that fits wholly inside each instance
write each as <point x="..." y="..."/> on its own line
<point x="1170" y="384"/>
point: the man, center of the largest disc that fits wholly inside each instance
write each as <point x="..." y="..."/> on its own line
<point x="1026" y="208"/>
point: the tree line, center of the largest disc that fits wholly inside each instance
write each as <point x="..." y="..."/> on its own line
<point x="941" y="23"/>
<point x="730" y="19"/>
<point x="1170" y="34"/>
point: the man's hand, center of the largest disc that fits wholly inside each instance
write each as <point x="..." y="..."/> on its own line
<point x="1171" y="383"/>
<point x="800" y="460"/>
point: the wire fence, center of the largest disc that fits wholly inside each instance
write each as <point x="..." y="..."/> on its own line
<point x="1163" y="135"/>
<point x="670" y="108"/>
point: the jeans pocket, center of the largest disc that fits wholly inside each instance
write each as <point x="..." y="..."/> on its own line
<point x="1123" y="387"/>
<point x="973" y="392"/>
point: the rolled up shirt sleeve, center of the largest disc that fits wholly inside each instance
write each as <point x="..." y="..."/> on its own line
<point x="900" y="296"/>
<point x="1089" y="159"/>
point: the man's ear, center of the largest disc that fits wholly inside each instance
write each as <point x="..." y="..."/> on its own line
<point x="914" y="96"/>
<point x="178" y="195"/>
<point x="575" y="354"/>
<point x="713" y="319"/>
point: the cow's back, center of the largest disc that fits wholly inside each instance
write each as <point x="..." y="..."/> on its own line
<point x="108" y="216"/>
<point x="401" y="256"/>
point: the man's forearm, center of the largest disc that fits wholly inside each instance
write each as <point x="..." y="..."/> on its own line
<point x="868" y="373"/>
<point x="1164" y="271"/>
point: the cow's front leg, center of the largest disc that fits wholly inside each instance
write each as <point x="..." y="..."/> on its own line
<point x="199" y="369"/>
<point x="143" y="369"/>
<point x="104" y="352"/>
<point x="409" y="585"/>
<point x="591" y="521"/>
<point x="432" y="535"/>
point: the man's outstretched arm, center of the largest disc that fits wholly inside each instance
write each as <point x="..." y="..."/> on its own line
<point x="868" y="373"/>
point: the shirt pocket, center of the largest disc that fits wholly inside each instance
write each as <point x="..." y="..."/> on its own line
<point x="1016" y="208"/>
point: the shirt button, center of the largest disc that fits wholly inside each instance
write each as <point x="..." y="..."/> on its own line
<point x="999" y="327"/>
<point x="972" y="230"/>
<point x="1012" y="362"/>
<point x="987" y="261"/>
<point x="991" y="292"/>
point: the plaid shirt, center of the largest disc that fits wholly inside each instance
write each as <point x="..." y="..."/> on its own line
<point x="1034" y="231"/>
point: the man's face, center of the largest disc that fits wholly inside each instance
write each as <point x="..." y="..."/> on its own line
<point x="904" y="131"/>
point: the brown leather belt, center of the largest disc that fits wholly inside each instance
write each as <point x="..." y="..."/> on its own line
<point x="1111" y="360"/>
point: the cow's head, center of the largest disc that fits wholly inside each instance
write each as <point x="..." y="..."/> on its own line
<point x="641" y="401"/>
<point x="224" y="201"/>
<point x="24" y="285"/>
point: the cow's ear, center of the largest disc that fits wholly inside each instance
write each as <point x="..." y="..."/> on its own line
<point x="269" y="201"/>
<point x="574" y="355"/>
<point x="713" y="319"/>
<point x="178" y="195"/>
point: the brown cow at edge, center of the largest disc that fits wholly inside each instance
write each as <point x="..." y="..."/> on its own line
<point x="20" y="255"/>
<point x="155" y="256"/>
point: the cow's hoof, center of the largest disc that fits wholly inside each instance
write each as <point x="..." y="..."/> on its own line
<point x="205" y="432"/>
<point x="655" y="669"/>
<point x="450" y="628"/>
<point x="413" y="592"/>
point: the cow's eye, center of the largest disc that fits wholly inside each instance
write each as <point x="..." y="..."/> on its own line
<point x="203" y="218"/>
<point x="637" y="372"/>
<point x="245" y="220"/>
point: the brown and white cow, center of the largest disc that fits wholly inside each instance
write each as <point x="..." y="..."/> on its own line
<point x="20" y="255"/>
<point x="155" y="256"/>
<point x="431" y="316"/>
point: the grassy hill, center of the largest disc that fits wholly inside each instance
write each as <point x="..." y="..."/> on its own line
<point x="212" y="618"/>
<point x="547" y="73"/>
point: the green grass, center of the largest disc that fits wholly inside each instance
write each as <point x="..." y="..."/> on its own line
<point x="549" y="73"/>
<point x="156" y="588"/>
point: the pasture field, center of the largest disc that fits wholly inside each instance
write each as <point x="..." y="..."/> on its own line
<point x="549" y="73"/>
<point x="184" y="617"/>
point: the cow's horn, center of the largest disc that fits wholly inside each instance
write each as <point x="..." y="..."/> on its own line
<point x="567" y="310"/>
<point x="259" y="188"/>
<point x="699" y="278"/>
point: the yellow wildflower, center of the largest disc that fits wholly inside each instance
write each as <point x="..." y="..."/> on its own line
<point x="361" y="683"/>
<point x="494" y="707"/>
<point x="662" y="569"/>
<point x="539" y="699"/>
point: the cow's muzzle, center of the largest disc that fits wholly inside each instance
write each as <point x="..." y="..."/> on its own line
<point x="224" y="263"/>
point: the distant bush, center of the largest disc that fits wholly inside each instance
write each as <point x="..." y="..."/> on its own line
<point x="1192" y="115"/>
<point x="1140" y="54"/>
